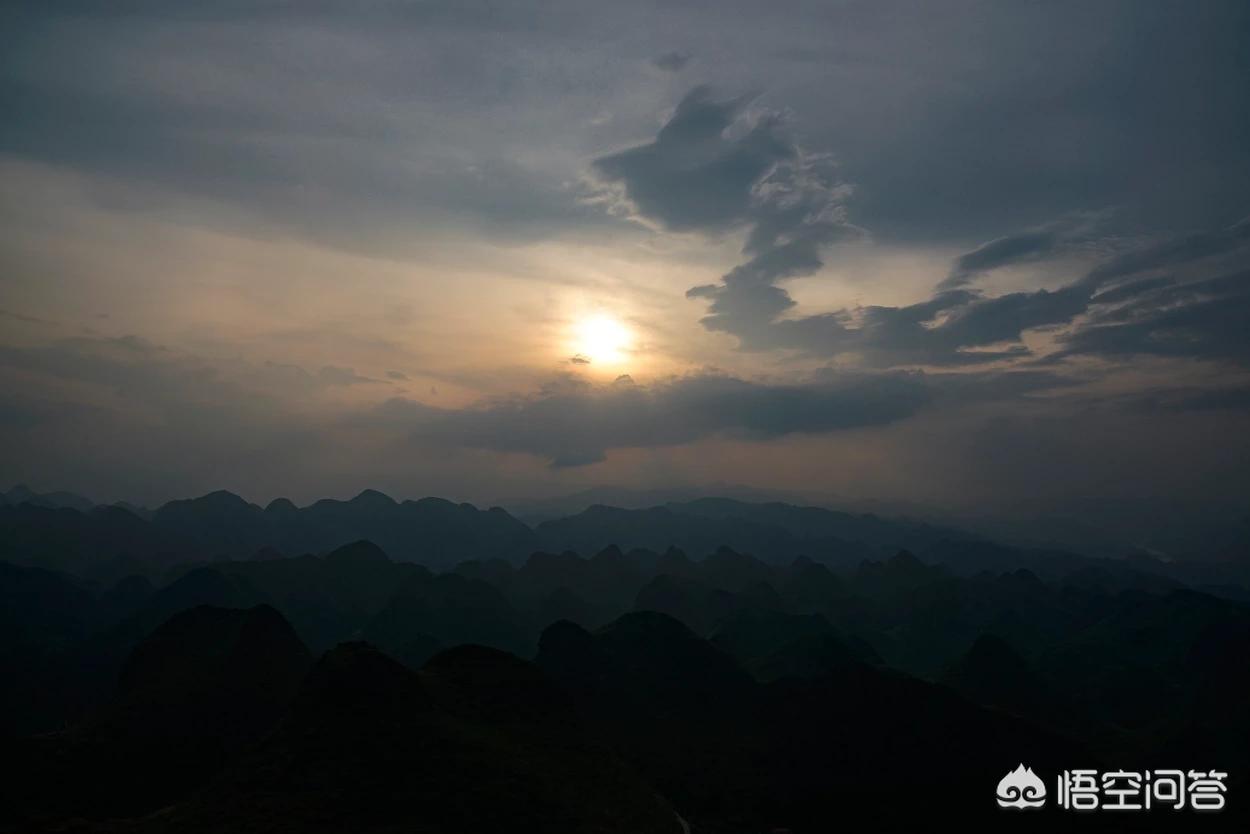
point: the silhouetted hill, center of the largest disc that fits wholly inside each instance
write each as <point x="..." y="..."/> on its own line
<point x="732" y="754"/>
<point x="217" y="525"/>
<point x="993" y="674"/>
<point x="111" y="542"/>
<point x="22" y="494"/>
<point x="50" y="625"/>
<point x="217" y="654"/>
<point x="544" y="509"/>
<point x="772" y="644"/>
<point x="446" y="610"/>
<point x="731" y="688"/>
<point x="104" y="543"/>
<point x="609" y="579"/>
<point x="431" y="531"/>
<point x="194" y="694"/>
<point x="771" y="531"/>
<point x="659" y="528"/>
<point x="689" y="601"/>
<point x="44" y="615"/>
<point x="475" y="742"/>
<point x="327" y="598"/>
<point x="817" y="523"/>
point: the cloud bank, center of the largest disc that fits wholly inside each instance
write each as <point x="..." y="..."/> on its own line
<point x="715" y="166"/>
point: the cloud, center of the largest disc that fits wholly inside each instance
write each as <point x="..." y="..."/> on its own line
<point x="950" y="329"/>
<point x="1178" y="315"/>
<point x="359" y="161"/>
<point x="579" y="359"/>
<point x="714" y="167"/>
<point x="1003" y="251"/>
<point x="573" y="424"/>
<point x="1233" y="397"/>
<point x="1205" y="319"/>
<point x="1110" y="312"/>
<point x="399" y="376"/>
<point x="717" y="166"/>
<point x="671" y="61"/>
<point x="130" y="418"/>
<point x="1174" y="251"/>
<point x="24" y="319"/>
<point x="695" y="176"/>
<point x="333" y="375"/>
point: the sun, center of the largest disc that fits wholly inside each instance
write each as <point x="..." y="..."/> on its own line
<point x="601" y="339"/>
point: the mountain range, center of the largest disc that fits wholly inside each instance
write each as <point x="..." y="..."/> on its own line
<point x="109" y="542"/>
<point x="708" y="666"/>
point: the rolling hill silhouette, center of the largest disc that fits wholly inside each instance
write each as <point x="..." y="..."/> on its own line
<point x="718" y="689"/>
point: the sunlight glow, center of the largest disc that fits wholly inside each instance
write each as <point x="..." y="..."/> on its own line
<point x="602" y="339"/>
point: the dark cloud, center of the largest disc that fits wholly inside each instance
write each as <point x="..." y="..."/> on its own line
<point x="182" y="424"/>
<point x="671" y="61"/>
<point x="579" y="359"/>
<point x="399" y="376"/>
<point x="965" y="387"/>
<point x="573" y="424"/>
<point x="949" y="118"/>
<point x="700" y="175"/>
<point x="334" y="375"/>
<point x="713" y="169"/>
<point x="1163" y="315"/>
<point x="1003" y="251"/>
<point x="978" y="139"/>
<point x="1174" y="251"/>
<point x="222" y="122"/>
<point x="25" y="319"/>
<point x="1182" y="314"/>
<point x="695" y="176"/>
<point x="1206" y="319"/>
<point x="1233" y="398"/>
<point x="1131" y="289"/>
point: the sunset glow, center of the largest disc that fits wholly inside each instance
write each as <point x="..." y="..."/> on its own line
<point x="601" y="338"/>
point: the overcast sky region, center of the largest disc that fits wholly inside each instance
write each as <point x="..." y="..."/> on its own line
<point x="974" y="257"/>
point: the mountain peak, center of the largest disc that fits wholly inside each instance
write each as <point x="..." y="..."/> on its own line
<point x="358" y="679"/>
<point x="373" y="498"/>
<point x="220" y="498"/>
<point x="358" y="553"/>
<point x="611" y="553"/>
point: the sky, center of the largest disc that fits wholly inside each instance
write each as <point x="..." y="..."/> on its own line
<point x="978" y="258"/>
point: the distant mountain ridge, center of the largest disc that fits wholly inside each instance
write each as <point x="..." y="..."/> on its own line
<point x="432" y="531"/>
<point x="22" y="494"/>
<point x="109" y="542"/>
<point x="436" y="532"/>
<point x="772" y="531"/>
<point x="535" y="511"/>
